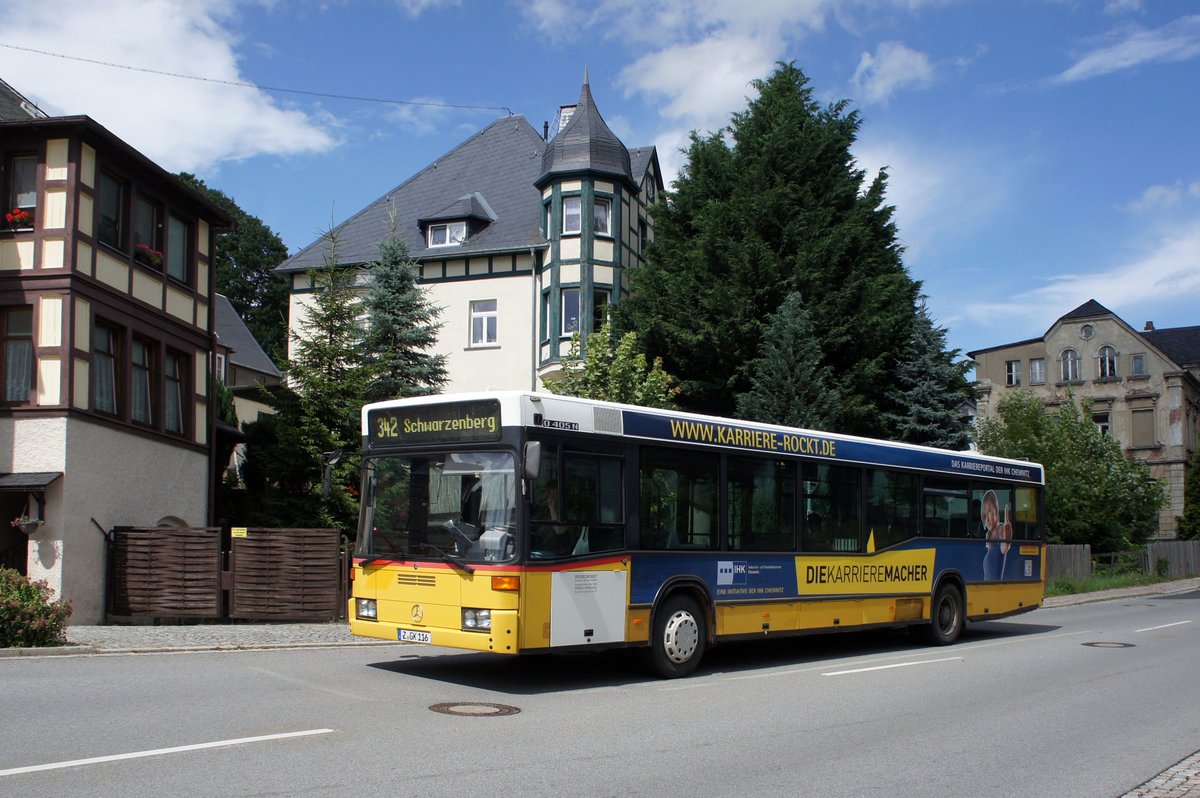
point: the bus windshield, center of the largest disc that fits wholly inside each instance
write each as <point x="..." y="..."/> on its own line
<point x="456" y="505"/>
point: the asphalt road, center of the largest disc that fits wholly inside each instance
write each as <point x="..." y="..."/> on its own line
<point x="1085" y="700"/>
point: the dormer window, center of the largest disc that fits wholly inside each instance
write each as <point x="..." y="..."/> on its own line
<point x="447" y="235"/>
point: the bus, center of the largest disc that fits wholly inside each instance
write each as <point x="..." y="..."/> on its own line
<point x="518" y="522"/>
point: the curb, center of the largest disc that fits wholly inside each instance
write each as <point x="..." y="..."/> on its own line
<point x="68" y="650"/>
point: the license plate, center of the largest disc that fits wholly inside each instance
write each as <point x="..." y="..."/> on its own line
<point x="408" y="636"/>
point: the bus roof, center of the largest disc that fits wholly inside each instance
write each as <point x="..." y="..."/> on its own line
<point x="569" y="413"/>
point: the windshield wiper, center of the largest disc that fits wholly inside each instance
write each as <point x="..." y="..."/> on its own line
<point x="450" y="558"/>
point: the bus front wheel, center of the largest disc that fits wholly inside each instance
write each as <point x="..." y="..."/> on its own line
<point x="946" y="619"/>
<point x="679" y="637"/>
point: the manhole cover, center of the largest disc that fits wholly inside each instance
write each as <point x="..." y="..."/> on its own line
<point x="1109" y="645"/>
<point x="475" y="709"/>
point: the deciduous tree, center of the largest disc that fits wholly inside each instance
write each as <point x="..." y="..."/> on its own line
<point x="1094" y="493"/>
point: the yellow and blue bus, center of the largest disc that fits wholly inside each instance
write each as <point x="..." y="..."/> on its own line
<point x="520" y="522"/>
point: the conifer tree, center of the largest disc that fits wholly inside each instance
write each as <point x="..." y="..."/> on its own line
<point x="1189" y="522"/>
<point x="790" y="384"/>
<point x="784" y="208"/>
<point x="929" y="388"/>
<point x="402" y="328"/>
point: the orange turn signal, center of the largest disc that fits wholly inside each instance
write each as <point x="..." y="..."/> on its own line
<point x="506" y="583"/>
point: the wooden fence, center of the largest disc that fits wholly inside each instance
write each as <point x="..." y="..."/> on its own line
<point x="207" y="572"/>
<point x="1175" y="559"/>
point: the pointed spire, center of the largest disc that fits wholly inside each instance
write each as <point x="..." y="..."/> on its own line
<point x="585" y="144"/>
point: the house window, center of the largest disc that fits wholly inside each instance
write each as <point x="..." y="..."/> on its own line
<point x="1106" y="362"/>
<point x="601" y="213"/>
<point x="219" y="369"/>
<point x="1012" y="372"/>
<point x="18" y="354"/>
<point x="544" y="320"/>
<point x="104" y="368"/>
<point x="143" y="378"/>
<point x="178" y="249"/>
<point x="1037" y="371"/>
<point x="147" y="233"/>
<point x="1137" y="365"/>
<point x="447" y="235"/>
<point x="599" y="307"/>
<point x="174" y="373"/>
<point x="22" y="192"/>
<point x="111" y="219"/>
<point x="1143" y="428"/>
<point x="1102" y="422"/>
<point x="643" y="231"/>
<point x="1070" y="365"/>
<point x="572" y="214"/>
<point x="570" y="311"/>
<point x="483" y="322"/>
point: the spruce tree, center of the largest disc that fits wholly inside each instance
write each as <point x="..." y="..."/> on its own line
<point x="784" y="208"/>
<point x="329" y="381"/>
<point x="1189" y="522"/>
<point x="790" y="384"/>
<point x="402" y="329"/>
<point x="930" y="386"/>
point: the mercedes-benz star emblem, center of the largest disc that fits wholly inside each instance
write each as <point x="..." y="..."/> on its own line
<point x="418" y="613"/>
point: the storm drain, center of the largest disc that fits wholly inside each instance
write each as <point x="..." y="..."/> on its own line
<point x="1109" y="645"/>
<point x="475" y="709"/>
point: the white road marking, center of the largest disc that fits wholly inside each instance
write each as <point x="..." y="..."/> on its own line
<point x="893" y="665"/>
<point x="1164" y="626"/>
<point x="74" y="763"/>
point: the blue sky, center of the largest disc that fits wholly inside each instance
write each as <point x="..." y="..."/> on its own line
<point x="1040" y="152"/>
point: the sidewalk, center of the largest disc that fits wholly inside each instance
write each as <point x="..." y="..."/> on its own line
<point x="145" y="639"/>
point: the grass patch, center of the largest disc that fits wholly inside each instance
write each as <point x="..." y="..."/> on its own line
<point x="1067" y="587"/>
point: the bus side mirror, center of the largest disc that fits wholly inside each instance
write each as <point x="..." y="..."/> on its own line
<point x="533" y="459"/>
<point x="327" y="473"/>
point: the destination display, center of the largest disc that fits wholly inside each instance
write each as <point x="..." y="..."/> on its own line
<point x="456" y="422"/>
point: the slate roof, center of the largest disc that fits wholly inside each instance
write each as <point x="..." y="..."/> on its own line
<point x="233" y="333"/>
<point x="15" y="106"/>
<point x="1089" y="308"/>
<point x="1181" y="344"/>
<point x="496" y="167"/>
<point x="586" y="144"/>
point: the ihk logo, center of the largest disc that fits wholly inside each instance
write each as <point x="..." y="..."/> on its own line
<point x="731" y="573"/>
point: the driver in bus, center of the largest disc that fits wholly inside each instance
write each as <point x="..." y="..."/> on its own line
<point x="551" y="538"/>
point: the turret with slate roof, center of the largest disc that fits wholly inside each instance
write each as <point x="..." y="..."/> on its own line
<point x="520" y="241"/>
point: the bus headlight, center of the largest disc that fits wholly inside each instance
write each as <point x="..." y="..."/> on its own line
<point x="476" y="620"/>
<point x="365" y="609"/>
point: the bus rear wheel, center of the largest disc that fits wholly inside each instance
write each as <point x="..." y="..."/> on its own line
<point x="946" y="619"/>
<point x="678" y="640"/>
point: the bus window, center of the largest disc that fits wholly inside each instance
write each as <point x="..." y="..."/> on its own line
<point x="831" y="507"/>
<point x="762" y="504"/>
<point x="891" y="506"/>
<point x="678" y="499"/>
<point x="581" y="513"/>
<point x="945" y="508"/>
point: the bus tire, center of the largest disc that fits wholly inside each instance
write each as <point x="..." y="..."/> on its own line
<point x="946" y="616"/>
<point x="679" y="636"/>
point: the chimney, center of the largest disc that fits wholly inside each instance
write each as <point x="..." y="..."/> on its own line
<point x="545" y="131"/>
<point x="1149" y="327"/>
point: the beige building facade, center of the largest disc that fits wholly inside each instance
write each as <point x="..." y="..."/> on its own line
<point x="1144" y="386"/>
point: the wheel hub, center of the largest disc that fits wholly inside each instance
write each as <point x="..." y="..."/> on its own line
<point x="681" y="637"/>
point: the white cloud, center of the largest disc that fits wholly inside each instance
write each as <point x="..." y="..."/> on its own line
<point x="893" y="66"/>
<point x="181" y="124"/>
<point x="1131" y="47"/>
<point x="1165" y="279"/>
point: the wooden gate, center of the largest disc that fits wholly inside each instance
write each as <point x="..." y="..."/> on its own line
<point x="243" y="573"/>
